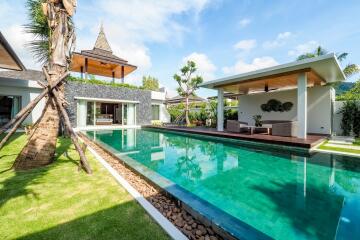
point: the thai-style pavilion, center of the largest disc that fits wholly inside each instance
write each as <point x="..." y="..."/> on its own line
<point x="101" y="61"/>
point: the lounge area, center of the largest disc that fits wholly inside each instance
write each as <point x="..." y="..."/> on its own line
<point x="290" y="102"/>
<point x="270" y="127"/>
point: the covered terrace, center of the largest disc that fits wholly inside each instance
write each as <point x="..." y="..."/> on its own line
<point x="305" y="84"/>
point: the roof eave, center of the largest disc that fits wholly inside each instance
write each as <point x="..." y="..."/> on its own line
<point x="275" y="69"/>
<point x="12" y="53"/>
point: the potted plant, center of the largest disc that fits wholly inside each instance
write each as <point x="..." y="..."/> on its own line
<point x="257" y="119"/>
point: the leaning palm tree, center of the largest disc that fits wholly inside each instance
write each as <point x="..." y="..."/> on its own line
<point x="51" y="24"/>
<point x="349" y="70"/>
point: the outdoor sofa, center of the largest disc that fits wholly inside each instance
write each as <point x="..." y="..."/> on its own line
<point x="281" y="127"/>
<point x="236" y="126"/>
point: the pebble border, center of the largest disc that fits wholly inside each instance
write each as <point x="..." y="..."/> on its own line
<point x="170" y="209"/>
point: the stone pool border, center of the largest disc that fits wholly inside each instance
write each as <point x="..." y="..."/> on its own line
<point x="169" y="228"/>
<point x="210" y="222"/>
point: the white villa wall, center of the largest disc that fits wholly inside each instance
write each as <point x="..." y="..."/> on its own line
<point x="28" y="90"/>
<point x="158" y="98"/>
<point x="319" y="107"/>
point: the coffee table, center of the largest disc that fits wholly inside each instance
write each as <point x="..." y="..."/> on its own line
<point x="251" y="129"/>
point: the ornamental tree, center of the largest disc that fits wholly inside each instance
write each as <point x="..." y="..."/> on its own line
<point x="188" y="84"/>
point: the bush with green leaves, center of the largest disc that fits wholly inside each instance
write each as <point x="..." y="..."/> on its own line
<point x="175" y="111"/>
<point x="352" y="94"/>
<point x="92" y="80"/>
<point x="350" y="121"/>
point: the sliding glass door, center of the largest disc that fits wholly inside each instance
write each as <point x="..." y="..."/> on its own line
<point x="9" y="107"/>
<point x="101" y="113"/>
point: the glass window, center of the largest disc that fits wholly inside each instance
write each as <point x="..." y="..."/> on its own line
<point x="155" y="112"/>
<point x="9" y="107"/>
<point x="90" y="113"/>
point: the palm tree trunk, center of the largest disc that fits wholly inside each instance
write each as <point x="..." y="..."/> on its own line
<point x="40" y="149"/>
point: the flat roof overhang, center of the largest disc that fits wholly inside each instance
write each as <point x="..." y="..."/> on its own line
<point x="320" y="71"/>
<point x="106" y="100"/>
<point x="8" y="58"/>
<point x="100" y="66"/>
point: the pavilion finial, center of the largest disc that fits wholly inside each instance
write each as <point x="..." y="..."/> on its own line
<point x="101" y="41"/>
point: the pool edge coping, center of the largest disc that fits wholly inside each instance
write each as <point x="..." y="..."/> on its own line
<point x="164" y="223"/>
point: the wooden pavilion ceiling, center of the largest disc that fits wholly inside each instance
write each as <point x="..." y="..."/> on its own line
<point x="275" y="82"/>
<point x="99" y="67"/>
<point x="7" y="61"/>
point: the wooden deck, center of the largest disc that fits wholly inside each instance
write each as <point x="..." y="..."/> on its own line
<point x="311" y="140"/>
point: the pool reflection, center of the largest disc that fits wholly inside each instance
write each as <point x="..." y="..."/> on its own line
<point x="282" y="194"/>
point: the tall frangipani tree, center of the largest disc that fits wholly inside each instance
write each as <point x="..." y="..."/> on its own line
<point x="187" y="84"/>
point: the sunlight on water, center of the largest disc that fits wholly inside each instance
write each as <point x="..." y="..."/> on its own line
<point x="283" y="195"/>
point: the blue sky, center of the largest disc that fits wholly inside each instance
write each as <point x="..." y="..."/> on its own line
<point x="224" y="37"/>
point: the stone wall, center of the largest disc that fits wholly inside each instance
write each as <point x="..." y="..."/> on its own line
<point x="76" y="89"/>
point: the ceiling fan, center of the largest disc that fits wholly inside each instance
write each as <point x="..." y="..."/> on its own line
<point x="267" y="89"/>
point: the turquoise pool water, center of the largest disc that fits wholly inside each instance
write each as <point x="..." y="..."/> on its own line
<point x="283" y="195"/>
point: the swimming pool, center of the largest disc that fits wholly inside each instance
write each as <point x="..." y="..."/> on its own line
<point x="278" y="194"/>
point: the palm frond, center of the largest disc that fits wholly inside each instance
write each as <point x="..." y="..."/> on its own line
<point x="38" y="27"/>
<point x="320" y="51"/>
<point x="341" y="56"/>
<point x="351" y="69"/>
<point x="40" y="50"/>
<point x="305" y="56"/>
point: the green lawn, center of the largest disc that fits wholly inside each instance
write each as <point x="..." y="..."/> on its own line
<point x="59" y="202"/>
<point x="340" y="149"/>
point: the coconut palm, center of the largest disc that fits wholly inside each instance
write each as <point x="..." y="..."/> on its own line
<point x="39" y="28"/>
<point x="349" y="70"/>
<point x="51" y="24"/>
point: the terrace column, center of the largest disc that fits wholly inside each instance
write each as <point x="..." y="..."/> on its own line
<point x="220" y="110"/>
<point x="302" y="105"/>
<point x="122" y="74"/>
<point x="86" y="68"/>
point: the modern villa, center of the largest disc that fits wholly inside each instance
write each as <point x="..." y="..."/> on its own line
<point x="257" y="177"/>
<point x="90" y="105"/>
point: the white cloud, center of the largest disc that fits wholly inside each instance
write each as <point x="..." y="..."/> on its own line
<point x="244" y="22"/>
<point x="245" y="45"/>
<point x="257" y="63"/>
<point x="280" y="40"/>
<point x="129" y="25"/>
<point x="304" y="48"/>
<point x="205" y="67"/>
<point x="129" y="29"/>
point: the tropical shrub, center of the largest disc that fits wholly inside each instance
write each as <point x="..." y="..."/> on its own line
<point x="350" y="121"/>
<point x="257" y="119"/>
<point x="352" y="94"/>
<point x="175" y="111"/>
<point x="92" y="80"/>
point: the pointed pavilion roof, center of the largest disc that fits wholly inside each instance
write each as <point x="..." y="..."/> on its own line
<point x="101" y="60"/>
<point x="101" y="41"/>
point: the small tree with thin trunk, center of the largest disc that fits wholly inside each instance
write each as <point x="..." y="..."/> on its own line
<point x="187" y="84"/>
